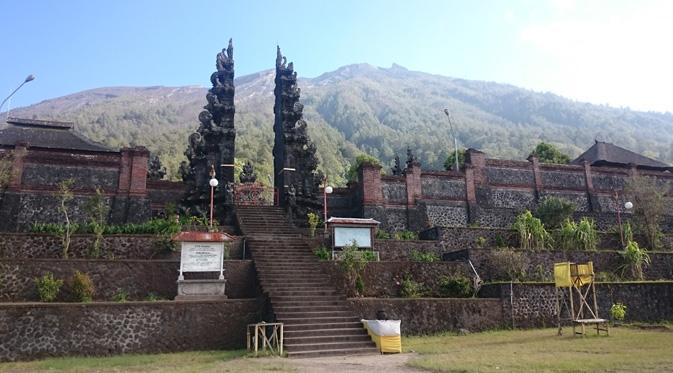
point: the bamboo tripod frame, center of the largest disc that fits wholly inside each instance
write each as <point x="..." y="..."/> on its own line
<point x="258" y="332"/>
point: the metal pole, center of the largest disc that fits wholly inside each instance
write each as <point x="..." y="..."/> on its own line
<point x="324" y="193"/>
<point x="28" y="79"/>
<point x="212" y="193"/>
<point x="455" y="140"/>
<point x="619" y="219"/>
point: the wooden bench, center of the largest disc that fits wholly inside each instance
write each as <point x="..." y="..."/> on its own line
<point x="601" y="326"/>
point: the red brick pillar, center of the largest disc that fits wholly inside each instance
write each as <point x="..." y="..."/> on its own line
<point x="475" y="174"/>
<point x="370" y="184"/>
<point x="589" y="183"/>
<point x="133" y="171"/>
<point x="18" y="157"/>
<point x="537" y="176"/>
<point x="413" y="180"/>
<point x="138" y="182"/>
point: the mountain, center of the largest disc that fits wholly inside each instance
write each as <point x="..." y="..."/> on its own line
<point x="363" y="108"/>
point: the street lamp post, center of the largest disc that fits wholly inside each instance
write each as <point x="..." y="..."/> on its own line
<point x="213" y="183"/>
<point x="29" y="78"/>
<point x="628" y="206"/>
<point x="326" y="190"/>
<point x="453" y="133"/>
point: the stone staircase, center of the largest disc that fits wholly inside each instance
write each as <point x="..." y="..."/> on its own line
<point x="317" y="319"/>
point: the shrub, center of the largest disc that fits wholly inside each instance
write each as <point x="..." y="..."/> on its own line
<point x="153" y="297"/>
<point x="450" y="162"/>
<point x="120" y="296"/>
<point x="506" y="264"/>
<point x="97" y="211"/>
<point x="532" y="234"/>
<point x="65" y="195"/>
<point x="423" y="257"/>
<point x="480" y="242"/>
<point x="635" y="259"/>
<point x="618" y="312"/>
<point x="500" y="241"/>
<point x="313" y="222"/>
<point x="352" y="262"/>
<point x="352" y="173"/>
<point x="405" y="235"/>
<point x="410" y="288"/>
<point x="565" y="236"/>
<point x="48" y="287"/>
<point x="368" y="255"/>
<point x="382" y="235"/>
<point x="553" y="211"/>
<point x="457" y="286"/>
<point x="323" y="253"/>
<point x="586" y="236"/>
<point x="82" y="287"/>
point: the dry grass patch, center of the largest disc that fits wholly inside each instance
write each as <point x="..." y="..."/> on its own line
<point x="183" y="362"/>
<point x="540" y="350"/>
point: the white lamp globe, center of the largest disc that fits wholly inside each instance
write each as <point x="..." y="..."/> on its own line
<point x="628" y="205"/>
<point x="213" y="182"/>
<point x="328" y="189"/>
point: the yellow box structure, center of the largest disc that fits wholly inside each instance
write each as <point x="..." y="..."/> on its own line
<point x="386" y="334"/>
<point x="567" y="274"/>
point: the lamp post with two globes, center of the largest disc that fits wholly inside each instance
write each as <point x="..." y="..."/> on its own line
<point x="628" y="205"/>
<point x="326" y="190"/>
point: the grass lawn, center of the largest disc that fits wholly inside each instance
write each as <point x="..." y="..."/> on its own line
<point x="540" y="350"/>
<point x="197" y="361"/>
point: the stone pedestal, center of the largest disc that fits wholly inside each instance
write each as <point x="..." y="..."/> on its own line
<point x="201" y="290"/>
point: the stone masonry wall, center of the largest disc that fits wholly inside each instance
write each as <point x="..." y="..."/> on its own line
<point x="34" y="331"/>
<point x="534" y="304"/>
<point x="382" y="279"/>
<point x="434" y="315"/>
<point x="34" y="245"/>
<point x="138" y="278"/>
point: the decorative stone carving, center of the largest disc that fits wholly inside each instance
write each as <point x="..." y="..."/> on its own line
<point x="155" y="170"/>
<point x="411" y="159"/>
<point x="397" y="170"/>
<point x="213" y="144"/>
<point x="248" y="174"/>
<point x="295" y="160"/>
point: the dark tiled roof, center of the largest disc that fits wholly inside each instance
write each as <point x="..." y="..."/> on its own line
<point x="604" y="153"/>
<point x="46" y="134"/>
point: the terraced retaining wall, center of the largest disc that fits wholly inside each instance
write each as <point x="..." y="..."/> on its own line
<point x="534" y="304"/>
<point x="137" y="246"/>
<point x="138" y="278"/>
<point x="33" y="331"/>
<point x="433" y="315"/>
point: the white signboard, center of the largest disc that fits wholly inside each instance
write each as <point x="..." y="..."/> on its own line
<point x="344" y="236"/>
<point x="201" y="257"/>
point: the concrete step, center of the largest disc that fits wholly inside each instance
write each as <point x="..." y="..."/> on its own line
<point x="327" y="338"/>
<point x="333" y="352"/>
<point x="306" y="303"/>
<point x="301" y="292"/>
<point x="289" y="328"/>
<point x="282" y="315"/>
<point x="306" y="308"/>
<point x="317" y="320"/>
<point x="321" y="332"/>
<point x="293" y="348"/>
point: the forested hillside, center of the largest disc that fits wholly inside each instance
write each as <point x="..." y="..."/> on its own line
<point x="362" y="108"/>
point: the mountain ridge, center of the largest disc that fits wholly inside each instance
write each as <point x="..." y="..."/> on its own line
<point x="364" y="108"/>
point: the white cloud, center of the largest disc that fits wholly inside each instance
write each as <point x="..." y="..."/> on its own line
<point x="605" y="54"/>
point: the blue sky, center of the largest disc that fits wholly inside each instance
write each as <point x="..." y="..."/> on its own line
<point x="614" y="52"/>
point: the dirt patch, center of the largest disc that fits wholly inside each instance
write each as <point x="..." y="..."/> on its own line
<point x="393" y="363"/>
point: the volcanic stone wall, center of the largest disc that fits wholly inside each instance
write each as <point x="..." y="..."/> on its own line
<point x="491" y="193"/>
<point x="434" y="315"/>
<point x="137" y="278"/>
<point x="534" y="304"/>
<point x="33" y="331"/>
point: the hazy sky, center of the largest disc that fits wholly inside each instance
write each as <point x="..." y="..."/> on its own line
<point x="605" y="52"/>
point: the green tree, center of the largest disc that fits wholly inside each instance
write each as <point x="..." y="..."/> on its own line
<point x="65" y="195"/>
<point x="450" y="162"/>
<point x="548" y="153"/>
<point x="352" y="173"/>
<point x="649" y="202"/>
